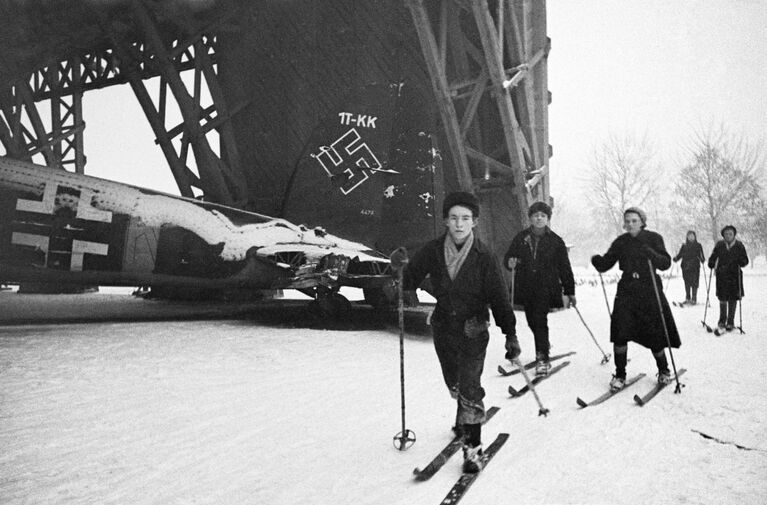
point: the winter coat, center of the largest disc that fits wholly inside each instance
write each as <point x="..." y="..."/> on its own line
<point x="636" y="315"/>
<point x="691" y="254"/>
<point x="729" y="262"/>
<point x="543" y="270"/>
<point x="479" y="283"/>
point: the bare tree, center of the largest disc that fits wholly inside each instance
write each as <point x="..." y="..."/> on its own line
<point x="573" y="222"/>
<point x="721" y="183"/>
<point x="754" y="230"/>
<point x="622" y="175"/>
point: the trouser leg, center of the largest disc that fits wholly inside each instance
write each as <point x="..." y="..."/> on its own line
<point x="471" y="408"/>
<point x="660" y="359"/>
<point x="722" y="313"/>
<point x="537" y="313"/>
<point x="457" y="427"/>
<point x="621" y="358"/>
<point x="447" y="353"/>
<point x="732" y="305"/>
<point x="462" y="361"/>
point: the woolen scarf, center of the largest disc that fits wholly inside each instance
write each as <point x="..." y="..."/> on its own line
<point x="454" y="257"/>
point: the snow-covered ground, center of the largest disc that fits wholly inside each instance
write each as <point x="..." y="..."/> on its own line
<point x="231" y="412"/>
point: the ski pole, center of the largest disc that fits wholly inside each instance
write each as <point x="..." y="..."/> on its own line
<point x="405" y="438"/>
<point x="708" y="290"/>
<point x="513" y="277"/>
<point x="705" y="280"/>
<point x="605" y="357"/>
<point x="542" y="411"/>
<point x="703" y="260"/>
<point x="665" y="328"/>
<point x="605" y="293"/>
<point x="740" y="298"/>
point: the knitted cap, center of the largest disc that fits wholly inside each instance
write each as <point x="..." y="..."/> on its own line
<point x="639" y="212"/>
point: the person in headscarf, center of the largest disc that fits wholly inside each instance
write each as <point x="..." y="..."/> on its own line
<point x="728" y="258"/>
<point x="542" y="275"/>
<point x="466" y="279"/>
<point x="691" y="254"/>
<point x="636" y="315"/>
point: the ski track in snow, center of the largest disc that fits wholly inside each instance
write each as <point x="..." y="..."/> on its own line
<point x="229" y="412"/>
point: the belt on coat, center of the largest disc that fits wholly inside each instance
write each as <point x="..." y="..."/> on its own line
<point x="636" y="275"/>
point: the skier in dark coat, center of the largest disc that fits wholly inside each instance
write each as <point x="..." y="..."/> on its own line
<point x="691" y="254"/>
<point x="542" y="274"/>
<point x="465" y="278"/>
<point x="636" y="316"/>
<point x="728" y="258"/>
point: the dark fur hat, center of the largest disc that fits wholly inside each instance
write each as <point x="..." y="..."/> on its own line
<point x="463" y="199"/>
<point x="539" y="207"/>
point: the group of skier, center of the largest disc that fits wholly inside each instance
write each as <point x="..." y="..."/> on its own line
<point x="466" y="279"/>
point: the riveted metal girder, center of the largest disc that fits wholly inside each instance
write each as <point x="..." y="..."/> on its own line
<point x="133" y="49"/>
<point x="22" y="130"/>
<point x="220" y="181"/>
<point x="486" y="60"/>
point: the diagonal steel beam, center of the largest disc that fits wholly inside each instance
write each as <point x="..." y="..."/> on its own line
<point x="209" y="165"/>
<point x="222" y="122"/>
<point x="184" y="177"/>
<point x="433" y="57"/>
<point x="21" y="100"/>
<point x="521" y="52"/>
<point x="514" y="139"/>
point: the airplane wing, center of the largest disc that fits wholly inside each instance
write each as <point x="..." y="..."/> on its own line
<point x="58" y="226"/>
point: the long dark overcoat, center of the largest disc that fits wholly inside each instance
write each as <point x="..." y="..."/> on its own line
<point x="691" y="254"/>
<point x="636" y="315"/>
<point x="728" y="263"/>
<point x="543" y="270"/>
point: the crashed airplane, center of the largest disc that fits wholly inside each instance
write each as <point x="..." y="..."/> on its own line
<point x="63" y="227"/>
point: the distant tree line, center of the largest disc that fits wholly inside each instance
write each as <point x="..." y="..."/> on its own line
<point x="719" y="180"/>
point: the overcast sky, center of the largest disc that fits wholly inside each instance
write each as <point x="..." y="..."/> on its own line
<point x="659" y="67"/>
